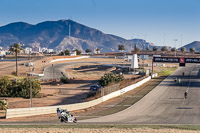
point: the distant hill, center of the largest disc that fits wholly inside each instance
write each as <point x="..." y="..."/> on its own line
<point x="195" y="44"/>
<point x="55" y="35"/>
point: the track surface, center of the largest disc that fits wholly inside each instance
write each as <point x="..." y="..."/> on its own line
<point x="58" y="70"/>
<point x="165" y="104"/>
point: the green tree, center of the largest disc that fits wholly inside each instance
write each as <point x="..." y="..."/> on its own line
<point x="19" y="87"/>
<point x="155" y="48"/>
<point x="3" y="105"/>
<point x="192" y="50"/>
<point x="147" y="49"/>
<point x="16" y="48"/>
<point x="164" y="48"/>
<point x="98" y="50"/>
<point x="173" y="49"/>
<point x="121" y="47"/>
<point x="88" y="50"/>
<point x="183" y="49"/>
<point x="61" y="53"/>
<point x="5" y="84"/>
<point x="67" y="52"/>
<point x="110" y="78"/>
<point x="78" y="52"/>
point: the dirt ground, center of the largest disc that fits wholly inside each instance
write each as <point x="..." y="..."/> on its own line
<point x="76" y="91"/>
<point x="93" y="130"/>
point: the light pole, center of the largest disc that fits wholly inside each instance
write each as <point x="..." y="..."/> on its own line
<point x="53" y="73"/>
<point x="143" y="56"/>
<point x="175" y="40"/>
<point x="31" y="103"/>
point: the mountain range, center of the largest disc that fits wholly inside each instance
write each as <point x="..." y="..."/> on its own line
<point x="195" y="44"/>
<point x="64" y="34"/>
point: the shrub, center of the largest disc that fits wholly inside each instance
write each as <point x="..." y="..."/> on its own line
<point x="110" y="78"/>
<point x="19" y="88"/>
<point x="5" y="83"/>
<point x="3" y="105"/>
<point x="64" y="80"/>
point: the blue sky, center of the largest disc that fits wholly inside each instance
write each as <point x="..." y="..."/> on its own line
<point x="157" y="21"/>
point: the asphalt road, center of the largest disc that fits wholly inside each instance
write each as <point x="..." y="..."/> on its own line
<point x="165" y="104"/>
<point x="56" y="71"/>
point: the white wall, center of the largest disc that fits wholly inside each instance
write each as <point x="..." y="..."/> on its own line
<point x="75" y="58"/>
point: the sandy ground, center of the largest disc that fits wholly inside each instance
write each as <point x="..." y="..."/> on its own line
<point x="74" y="92"/>
<point x="93" y="130"/>
<point x="63" y="93"/>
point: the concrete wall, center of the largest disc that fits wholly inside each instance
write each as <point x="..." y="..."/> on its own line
<point x="62" y="59"/>
<point x="21" y="112"/>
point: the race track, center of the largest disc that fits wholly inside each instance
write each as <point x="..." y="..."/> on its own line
<point x="165" y="104"/>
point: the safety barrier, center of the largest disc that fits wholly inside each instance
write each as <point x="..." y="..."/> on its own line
<point x="21" y="112"/>
<point x="75" y="58"/>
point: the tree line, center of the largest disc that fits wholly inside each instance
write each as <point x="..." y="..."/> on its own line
<point x="19" y="87"/>
<point x="155" y="48"/>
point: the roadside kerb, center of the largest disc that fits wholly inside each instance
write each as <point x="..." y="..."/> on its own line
<point x="21" y="112"/>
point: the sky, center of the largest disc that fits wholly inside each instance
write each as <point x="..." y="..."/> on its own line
<point x="162" y="22"/>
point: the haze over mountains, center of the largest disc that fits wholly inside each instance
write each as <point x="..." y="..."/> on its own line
<point x="55" y="35"/>
<point x="67" y="34"/>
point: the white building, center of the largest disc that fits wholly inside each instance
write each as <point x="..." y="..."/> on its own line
<point x="36" y="49"/>
<point x="49" y="50"/>
<point x="73" y="53"/>
<point x="27" y="50"/>
<point x="2" y="53"/>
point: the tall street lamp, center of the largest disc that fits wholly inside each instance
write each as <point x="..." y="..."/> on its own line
<point x="143" y="56"/>
<point x="175" y="40"/>
<point x="53" y="73"/>
<point x="30" y="82"/>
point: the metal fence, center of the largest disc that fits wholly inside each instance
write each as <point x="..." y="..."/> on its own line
<point x="122" y="84"/>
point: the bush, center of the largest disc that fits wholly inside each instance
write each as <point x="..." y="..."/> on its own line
<point x="19" y="87"/>
<point x="5" y="84"/>
<point x="110" y="78"/>
<point x="3" y="105"/>
<point x="64" y="80"/>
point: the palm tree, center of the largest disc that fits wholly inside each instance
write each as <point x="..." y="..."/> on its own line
<point x="192" y="50"/>
<point x="98" y="50"/>
<point x="164" y="48"/>
<point x="16" y="48"/>
<point x="183" y="49"/>
<point x="173" y="49"/>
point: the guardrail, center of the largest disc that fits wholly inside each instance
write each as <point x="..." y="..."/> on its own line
<point x="21" y="112"/>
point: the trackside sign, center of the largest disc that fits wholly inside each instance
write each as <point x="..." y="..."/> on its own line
<point x="192" y="60"/>
<point x="166" y="59"/>
<point x="176" y="60"/>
